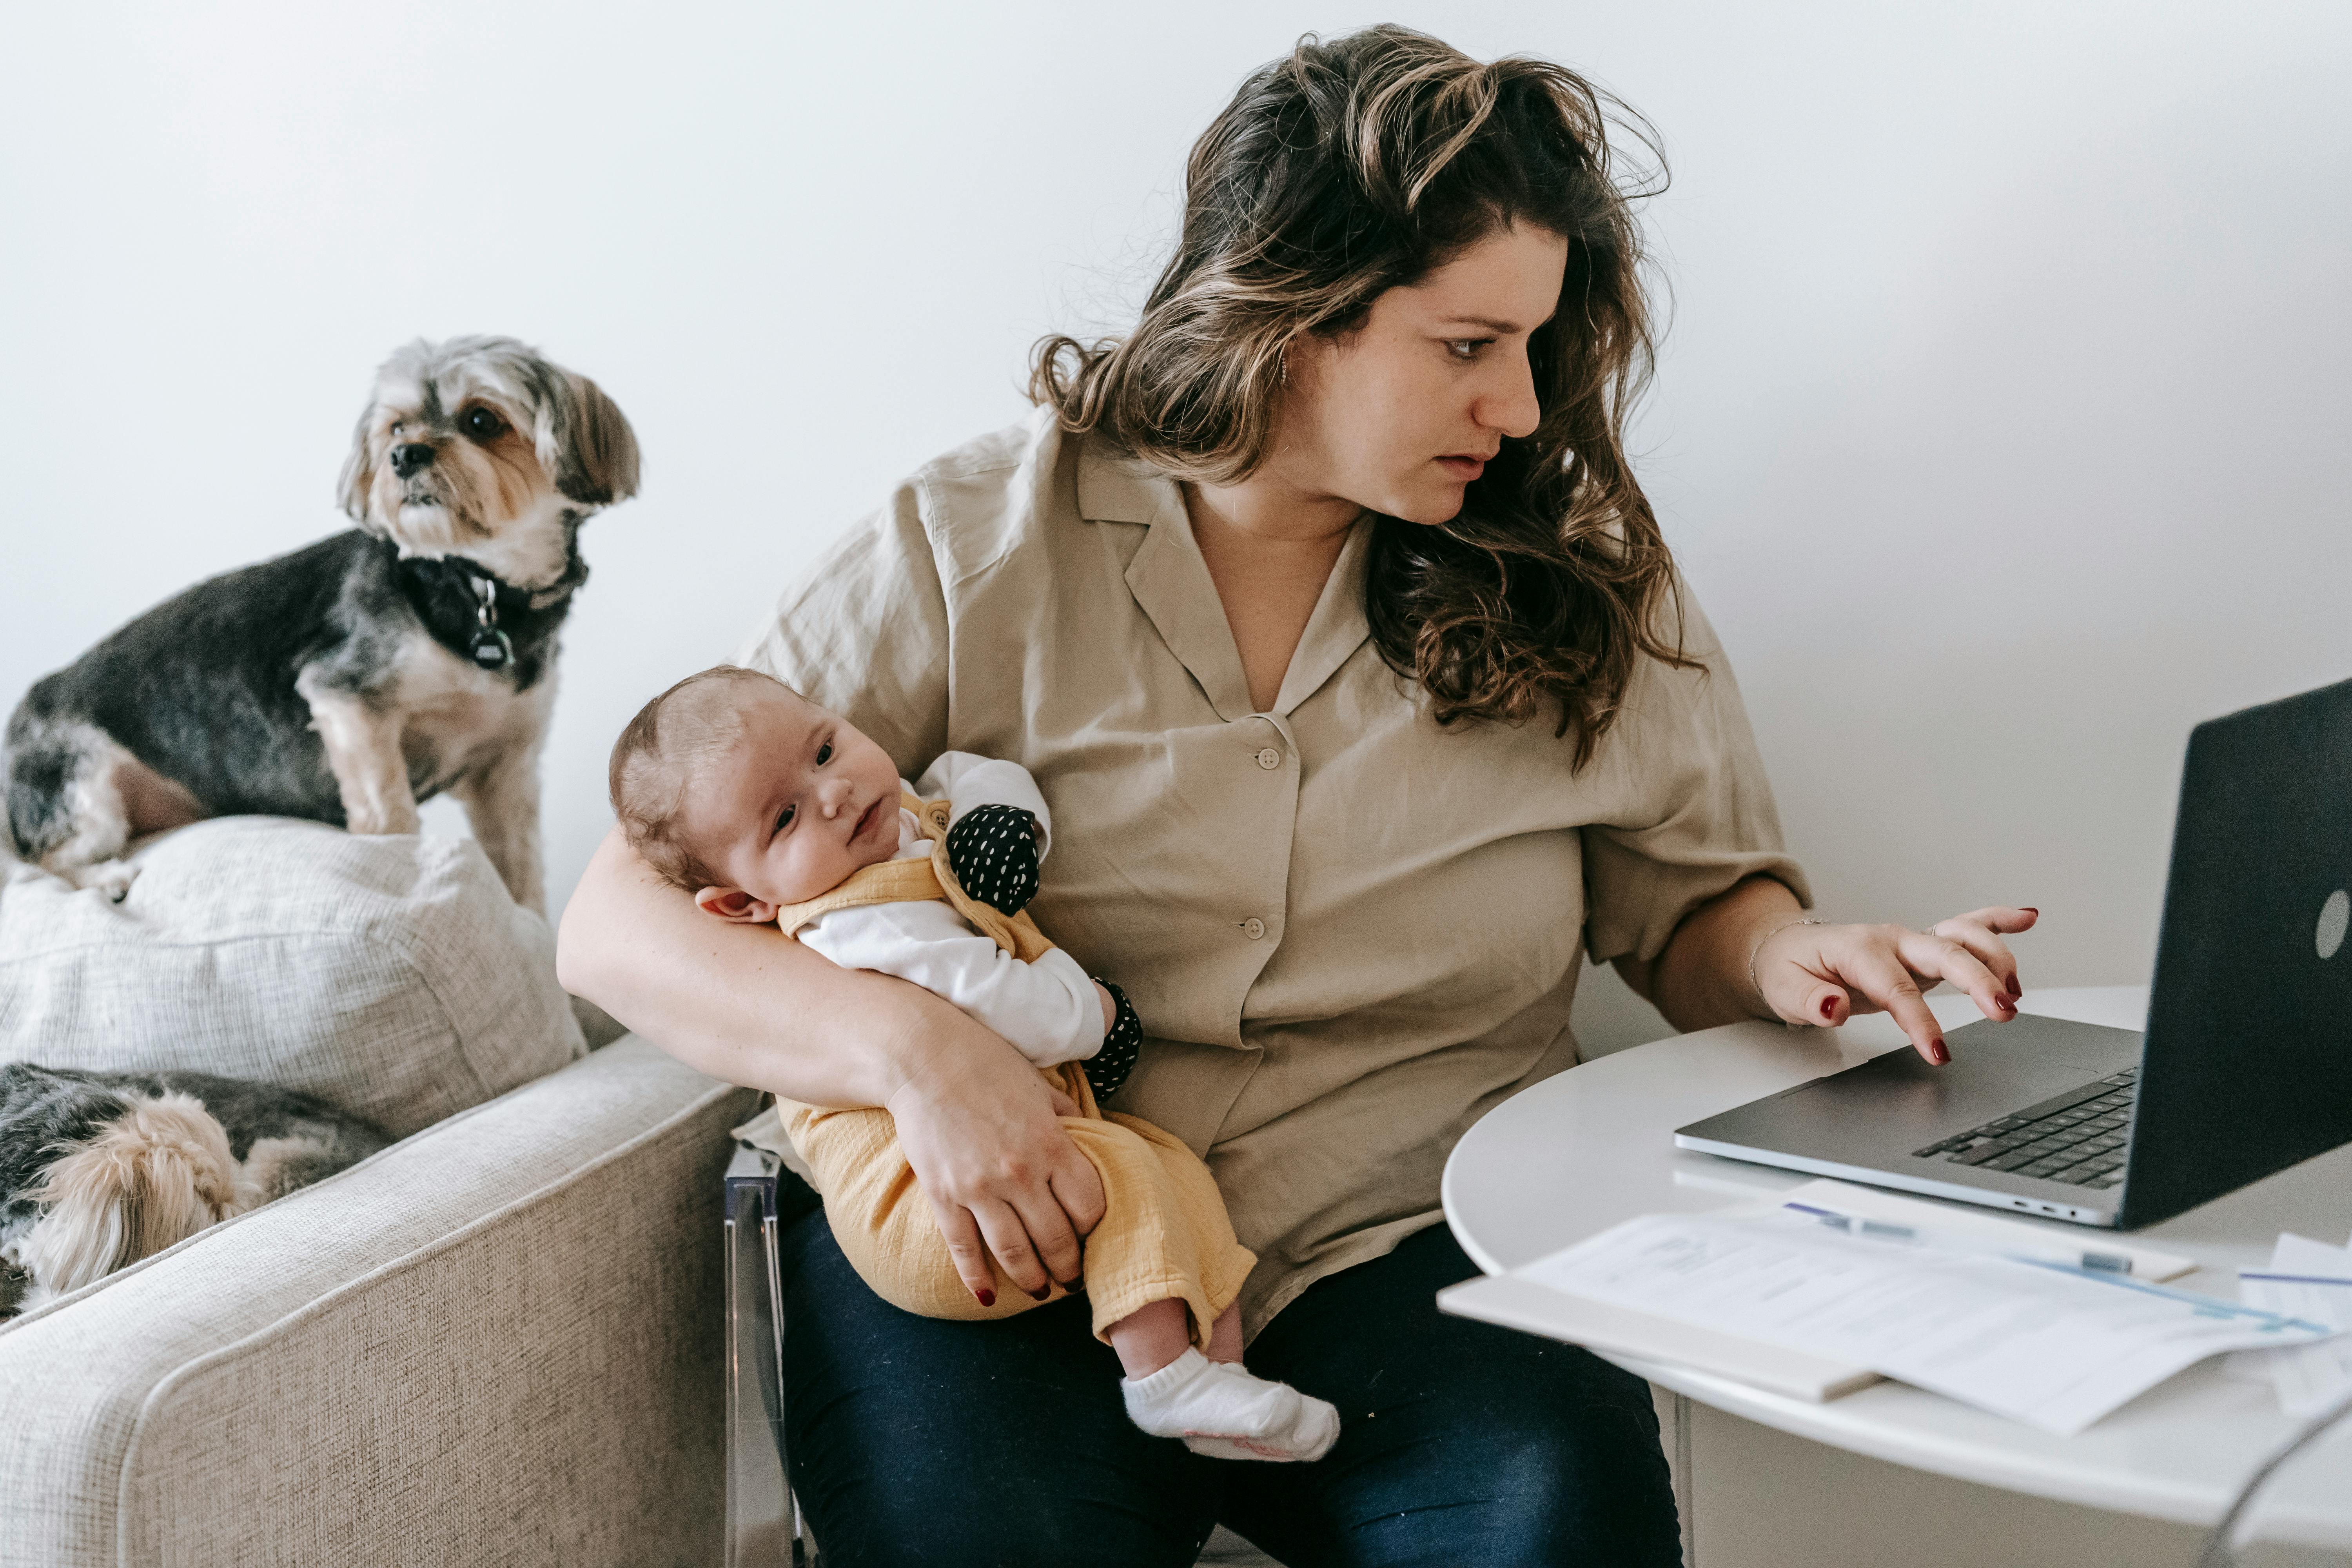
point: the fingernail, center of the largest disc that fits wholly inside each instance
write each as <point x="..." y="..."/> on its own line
<point x="2028" y="908"/>
<point x="1041" y="1295"/>
<point x="987" y="1298"/>
<point x="1829" y="1007"/>
<point x="1936" y="1053"/>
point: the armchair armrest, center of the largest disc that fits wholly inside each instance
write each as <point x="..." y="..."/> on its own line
<point x="499" y="1341"/>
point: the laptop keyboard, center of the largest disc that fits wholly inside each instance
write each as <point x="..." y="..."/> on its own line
<point x="2078" y="1137"/>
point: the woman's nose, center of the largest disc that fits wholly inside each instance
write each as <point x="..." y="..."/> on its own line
<point x="1511" y="406"/>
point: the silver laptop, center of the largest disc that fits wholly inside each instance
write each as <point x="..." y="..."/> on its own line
<point x="2244" y="1069"/>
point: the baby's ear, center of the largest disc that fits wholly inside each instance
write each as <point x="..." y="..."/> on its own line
<point x="735" y="904"/>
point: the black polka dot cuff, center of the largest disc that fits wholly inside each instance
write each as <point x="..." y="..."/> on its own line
<point x="992" y="849"/>
<point x="1108" y="1068"/>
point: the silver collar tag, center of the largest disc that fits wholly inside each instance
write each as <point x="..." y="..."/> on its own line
<point x="490" y="647"/>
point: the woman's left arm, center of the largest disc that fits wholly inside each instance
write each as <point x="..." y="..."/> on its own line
<point x="1751" y="952"/>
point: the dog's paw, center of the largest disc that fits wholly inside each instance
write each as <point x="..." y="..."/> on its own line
<point x="113" y="877"/>
<point x="382" y="820"/>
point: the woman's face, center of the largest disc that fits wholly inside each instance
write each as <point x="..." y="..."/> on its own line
<point x="1401" y="414"/>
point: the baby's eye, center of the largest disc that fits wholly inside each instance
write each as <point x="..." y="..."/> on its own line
<point x="825" y="754"/>
<point x="785" y="818"/>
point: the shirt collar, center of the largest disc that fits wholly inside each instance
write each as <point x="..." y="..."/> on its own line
<point x="1115" y="488"/>
<point x="1172" y="585"/>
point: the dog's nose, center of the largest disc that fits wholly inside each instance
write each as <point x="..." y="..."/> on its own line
<point x="411" y="455"/>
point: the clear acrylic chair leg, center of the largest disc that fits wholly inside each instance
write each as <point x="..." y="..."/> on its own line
<point x="764" y="1529"/>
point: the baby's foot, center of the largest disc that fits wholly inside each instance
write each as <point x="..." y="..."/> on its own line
<point x="1223" y="1411"/>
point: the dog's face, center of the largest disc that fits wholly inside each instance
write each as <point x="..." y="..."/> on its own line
<point x="479" y="447"/>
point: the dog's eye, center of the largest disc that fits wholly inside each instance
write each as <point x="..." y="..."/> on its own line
<point x="481" y="423"/>
<point x="825" y="754"/>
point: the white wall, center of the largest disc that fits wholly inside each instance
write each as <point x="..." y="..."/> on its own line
<point x="2002" y="426"/>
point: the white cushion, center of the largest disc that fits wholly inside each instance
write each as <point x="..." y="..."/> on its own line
<point x="391" y="976"/>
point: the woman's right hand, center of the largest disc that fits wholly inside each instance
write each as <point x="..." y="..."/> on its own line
<point x="982" y="1130"/>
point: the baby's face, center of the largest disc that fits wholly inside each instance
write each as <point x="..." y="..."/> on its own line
<point x="799" y="802"/>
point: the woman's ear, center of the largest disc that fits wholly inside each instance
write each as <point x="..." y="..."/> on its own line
<point x="735" y="904"/>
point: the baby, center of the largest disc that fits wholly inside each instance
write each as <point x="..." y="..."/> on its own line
<point x="769" y="809"/>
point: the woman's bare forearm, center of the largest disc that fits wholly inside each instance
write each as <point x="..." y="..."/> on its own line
<point x="1701" y="979"/>
<point x="741" y="1002"/>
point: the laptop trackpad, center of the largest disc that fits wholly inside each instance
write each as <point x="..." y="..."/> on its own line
<point x="1895" y="1104"/>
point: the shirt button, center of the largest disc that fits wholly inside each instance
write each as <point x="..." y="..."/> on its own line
<point x="1269" y="759"/>
<point x="1253" y="927"/>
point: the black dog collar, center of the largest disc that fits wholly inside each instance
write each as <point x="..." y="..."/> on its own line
<point x="481" y="616"/>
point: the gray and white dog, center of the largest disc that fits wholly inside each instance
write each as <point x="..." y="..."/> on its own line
<point x="364" y="673"/>
<point x="98" y="1170"/>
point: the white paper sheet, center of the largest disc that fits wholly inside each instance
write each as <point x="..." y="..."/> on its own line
<point x="2309" y="1279"/>
<point x="2057" y="1348"/>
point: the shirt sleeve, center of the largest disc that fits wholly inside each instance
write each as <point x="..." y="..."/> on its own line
<point x="968" y="781"/>
<point x="1048" y="1009"/>
<point x="1694" y="814"/>
<point x="865" y="633"/>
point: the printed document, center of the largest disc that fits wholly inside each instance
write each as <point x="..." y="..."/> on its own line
<point x="2049" y="1345"/>
<point x="2309" y="1279"/>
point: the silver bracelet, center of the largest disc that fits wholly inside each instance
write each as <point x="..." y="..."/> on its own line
<point x="1768" y="936"/>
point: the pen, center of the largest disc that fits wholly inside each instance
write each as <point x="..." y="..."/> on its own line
<point x="1964" y="1242"/>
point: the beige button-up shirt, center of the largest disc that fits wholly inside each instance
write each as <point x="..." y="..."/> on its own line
<point x="1348" y="933"/>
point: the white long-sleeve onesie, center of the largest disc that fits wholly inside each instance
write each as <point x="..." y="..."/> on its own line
<point x="1048" y="1009"/>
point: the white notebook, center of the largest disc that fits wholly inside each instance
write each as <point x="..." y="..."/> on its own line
<point x="1531" y="1308"/>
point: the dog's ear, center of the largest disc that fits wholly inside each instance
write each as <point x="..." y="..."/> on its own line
<point x="594" y="454"/>
<point x="359" y="473"/>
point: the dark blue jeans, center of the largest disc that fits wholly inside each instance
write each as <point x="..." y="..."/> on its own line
<point x="919" y="1441"/>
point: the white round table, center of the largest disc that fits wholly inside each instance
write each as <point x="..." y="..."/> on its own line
<point x="1579" y="1152"/>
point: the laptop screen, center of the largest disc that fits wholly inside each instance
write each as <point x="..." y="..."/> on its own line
<point x="2247" y="1064"/>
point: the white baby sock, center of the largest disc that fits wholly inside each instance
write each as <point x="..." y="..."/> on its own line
<point x="1224" y="1412"/>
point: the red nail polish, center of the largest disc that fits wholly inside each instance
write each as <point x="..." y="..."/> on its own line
<point x="1829" y="1008"/>
<point x="987" y="1298"/>
<point x="1041" y="1295"/>
<point x="1936" y="1053"/>
<point x="2028" y="908"/>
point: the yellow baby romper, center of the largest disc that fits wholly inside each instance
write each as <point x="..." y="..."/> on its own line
<point x="1165" y="1232"/>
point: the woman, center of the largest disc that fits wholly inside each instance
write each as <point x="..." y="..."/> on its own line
<point x="1330" y="616"/>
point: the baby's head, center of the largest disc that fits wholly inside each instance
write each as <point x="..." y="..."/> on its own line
<point x="738" y="789"/>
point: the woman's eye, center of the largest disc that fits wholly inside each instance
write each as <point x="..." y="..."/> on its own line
<point x="1466" y="348"/>
<point x="785" y="818"/>
<point x="481" y="424"/>
<point x="825" y="754"/>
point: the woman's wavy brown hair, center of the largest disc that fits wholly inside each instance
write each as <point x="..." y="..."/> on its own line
<point x="1360" y="165"/>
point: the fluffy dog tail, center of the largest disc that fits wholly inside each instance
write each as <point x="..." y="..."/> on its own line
<point x="157" y="1175"/>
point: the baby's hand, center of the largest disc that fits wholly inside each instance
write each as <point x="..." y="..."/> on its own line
<point x="1109" y="1006"/>
<point x="992" y="850"/>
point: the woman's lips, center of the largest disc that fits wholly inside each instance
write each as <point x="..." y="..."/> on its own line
<point x="1463" y="469"/>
